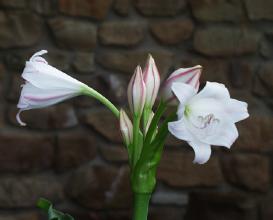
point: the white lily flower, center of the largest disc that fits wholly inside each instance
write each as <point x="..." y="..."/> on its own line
<point x="45" y="85"/>
<point x="207" y="118"/>
<point x="189" y="76"/>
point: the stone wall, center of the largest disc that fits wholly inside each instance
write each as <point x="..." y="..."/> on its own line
<point x="72" y="153"/>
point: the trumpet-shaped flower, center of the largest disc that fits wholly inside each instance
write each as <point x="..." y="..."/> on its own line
<point x="126" y="127"/>
<point x="189" y="76"/>
<point x="45" y="85"/>
<point x="151" y="79"/>
<point x="136" y="92"/>
<point x="207" y="118"/>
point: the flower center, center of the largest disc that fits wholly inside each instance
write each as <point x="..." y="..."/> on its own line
<point x="187" y="111"/>
<point x="203" y="122"/>
<point x="204" y="125"/>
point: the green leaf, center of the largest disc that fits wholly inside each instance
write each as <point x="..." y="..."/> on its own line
<point x="52" y="213"/>
<point x="43" y="204"/>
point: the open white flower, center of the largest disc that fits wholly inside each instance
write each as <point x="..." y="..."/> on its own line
<point x="207" y="118"/>
<point x="45" y="85"/>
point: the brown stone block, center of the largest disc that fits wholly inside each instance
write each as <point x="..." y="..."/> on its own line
<point x="84" y="62"/>
<point x="122" y="7"/>
<point x="126" y="62"/>
<point x="226" y="41"/>
<point x="73" y="34"/>
<point x="172" y="31"/>
<point x="217" y="10"/>
<point x="24" y="191"/>
<point x="22" y="151"/>
<point x="104" y="122"/>
<point x="114" y="153"/>
<point x="221" y="205"/>
<point x="13" y="3"/>
<point x="159" y="7"/>
<point x="74" y="149"/>
<point x="255" y="133"/>
<point x="97" y="9"/>
<point x="178" y="170"/>
<point x="259" y="9"/>
<point x="266" y="208"/>
<point x="241" y="74"/>
<point x="121" y="196"/>
<point x="263" y="84"/>
<point x="248" y="171"/>
<point x="166" y="213"/>
<point x="19" y="29"/>
<point x="121" y="33"/>
<point x="20" y="216"/>
<point x="42" y="7"/>
<point x="90" y="186"/>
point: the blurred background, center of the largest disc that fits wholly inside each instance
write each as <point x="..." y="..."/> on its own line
<point x="72" y="153"/>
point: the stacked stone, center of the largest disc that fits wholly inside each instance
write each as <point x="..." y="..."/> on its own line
<point x="72" y="153"/>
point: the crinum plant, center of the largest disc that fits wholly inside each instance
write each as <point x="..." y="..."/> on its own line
<point x="201" y="118"/>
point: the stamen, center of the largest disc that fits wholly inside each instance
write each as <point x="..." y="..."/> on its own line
<point x="206" y="123"/>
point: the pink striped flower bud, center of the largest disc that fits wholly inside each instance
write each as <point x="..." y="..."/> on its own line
<point x="136" y="92"/>
<point x="189" y="76"/>
<point x="152" y="81"/>
<point x="126" y="127"/>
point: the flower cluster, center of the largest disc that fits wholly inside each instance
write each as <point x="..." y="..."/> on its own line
<point x="204" y="119"/>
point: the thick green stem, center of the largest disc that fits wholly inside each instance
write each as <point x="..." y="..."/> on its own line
<point x="141" y="206"/>
<point x="93" y="93"/>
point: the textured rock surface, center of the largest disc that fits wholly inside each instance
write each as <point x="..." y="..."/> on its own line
<point x="178" y="170"/>
<point x="24" y="191"/>
<point x="75" y="149"/>
<point x="127" y="61"/>
<point x="217" y="10"/>
<point x="222" y="41"/>
<point x="159" y="7"/>
<point x="105" y="123"/>
<point x="19" y="29"/>
<point x="97" y="9"/>
<point x="73" y="34"/>
<point x="249" y="171"/>
<point x="121" y="33"/>
<point x="172" y="32"/>
<point x="22" y="152"/>
<point x="230" y="205"/>
<point x="259" y="9"/>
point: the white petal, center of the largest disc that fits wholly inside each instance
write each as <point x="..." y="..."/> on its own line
<point x="19" y="119"/>
<point x="37" y="57"/>
<point x="202" y="151"/>
<point x="205" y="106"/>
<point x="237" y="110"/>
<point x="178" y="129"/>
<point x="225" y="135"/>
<point x="183" y="92"/>
<point x="34" y="97"/>
<point x="213" y="90"/>
<point x="47" y="77"/>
